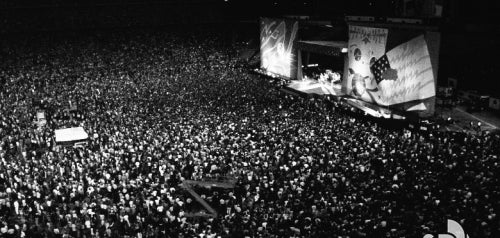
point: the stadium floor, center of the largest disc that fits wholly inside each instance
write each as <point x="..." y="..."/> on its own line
<point x="489" y="120"/>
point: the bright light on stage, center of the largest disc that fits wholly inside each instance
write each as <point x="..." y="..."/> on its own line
<point x="344" y="50"/>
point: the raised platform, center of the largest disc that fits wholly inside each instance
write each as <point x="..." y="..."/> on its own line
<point x="314" y="87"/>
<point x="372" y="110"/>
<point x="309" y="86"/>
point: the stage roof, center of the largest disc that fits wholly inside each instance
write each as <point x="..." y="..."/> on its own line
<point x="333" y="48"/>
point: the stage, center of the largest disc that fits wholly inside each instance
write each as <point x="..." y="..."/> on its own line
<point x="314" y="87"/>
<point x="310" y="86"/>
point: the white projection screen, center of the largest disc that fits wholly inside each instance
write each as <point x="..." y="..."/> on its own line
<point x="393" y="67"/>
<point x="277" y="46"/>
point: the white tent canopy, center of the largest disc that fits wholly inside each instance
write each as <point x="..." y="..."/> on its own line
<point x="71" y="135"/>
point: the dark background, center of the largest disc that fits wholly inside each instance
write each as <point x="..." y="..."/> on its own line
<point x="469" y="48"/>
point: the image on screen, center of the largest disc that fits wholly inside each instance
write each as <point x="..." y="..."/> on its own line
<point x="277" y="46"/>
<point x="393" y="67"/>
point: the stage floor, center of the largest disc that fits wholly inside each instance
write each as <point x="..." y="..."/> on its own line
<point x="309" y="86"/>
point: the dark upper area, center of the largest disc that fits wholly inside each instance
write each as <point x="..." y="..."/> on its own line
<point x="467" y="47"/>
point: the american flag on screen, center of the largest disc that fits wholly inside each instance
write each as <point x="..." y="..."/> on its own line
<point x="405" y="73"/>
<point x="379" y="68"/>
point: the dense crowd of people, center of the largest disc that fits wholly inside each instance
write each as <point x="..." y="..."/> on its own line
<point x="165" y="107"/>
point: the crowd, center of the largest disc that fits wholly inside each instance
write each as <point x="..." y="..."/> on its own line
<point x="163" y="107"/>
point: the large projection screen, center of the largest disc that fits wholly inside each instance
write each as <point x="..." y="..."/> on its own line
<point x="277" y="46"/>
<point x="393" y="67"/>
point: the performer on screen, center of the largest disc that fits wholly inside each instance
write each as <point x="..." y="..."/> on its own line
<point x="365" y="87"/>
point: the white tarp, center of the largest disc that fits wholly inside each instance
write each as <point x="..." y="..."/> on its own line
<point x="71" y="134"/>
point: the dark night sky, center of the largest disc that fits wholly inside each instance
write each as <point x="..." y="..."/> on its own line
<point x="470" y="11"/>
